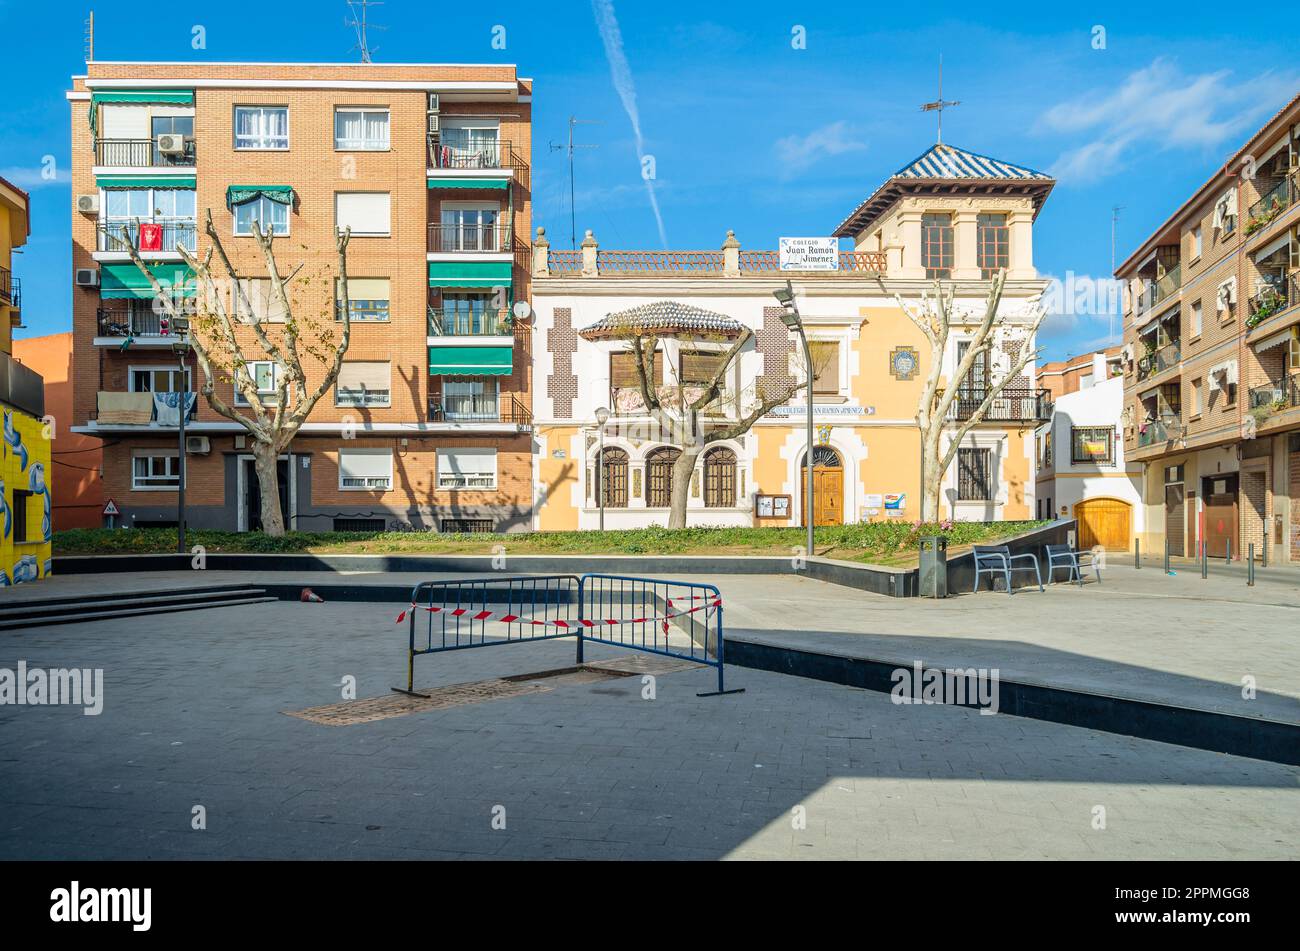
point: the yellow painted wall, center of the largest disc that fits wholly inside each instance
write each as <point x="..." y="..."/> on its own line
<point x="6" y="261"/>
<point x="884" y="330"/>
<point x="557" y="512"/>
<point x="1017" y="475"/>
<point x="893" y="464"/>
<point x="24" y="463"/>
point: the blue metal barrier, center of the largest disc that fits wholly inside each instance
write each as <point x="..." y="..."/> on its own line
<point x="615" y="610"/>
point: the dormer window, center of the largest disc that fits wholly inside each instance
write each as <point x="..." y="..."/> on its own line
<point x="936" y="245"/>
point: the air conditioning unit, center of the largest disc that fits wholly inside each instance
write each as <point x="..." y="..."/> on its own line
<point x="198" y="445"/>
<point x="433" y="122"/>
<point x="433" y="102"/>
<point x="88" y="204"/>
<point x="86" y="277"/>
<point x="171" y="144"/>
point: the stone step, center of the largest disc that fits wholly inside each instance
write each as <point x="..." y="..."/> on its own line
<point x="75" y="617"/>
<point x="89" y="604"/>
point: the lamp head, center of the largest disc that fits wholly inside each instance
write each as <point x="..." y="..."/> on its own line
<point x="790" y="309"/>
<point x="602" y="416"/>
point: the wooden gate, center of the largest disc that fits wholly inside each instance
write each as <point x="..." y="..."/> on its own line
<point x="1104" y="522"/>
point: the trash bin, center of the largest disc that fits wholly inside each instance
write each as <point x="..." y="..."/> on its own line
<point x="934" y="566"/>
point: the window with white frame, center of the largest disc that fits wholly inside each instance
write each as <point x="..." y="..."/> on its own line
<point x="257" y="302"/>
<point x="368" y="214"/>
<point x="365" y="469"/>
<point x="363" y="383"/>
<point x="368" y="299"/>
<point x="171" y="209"/>
<point x="471" y="398"/>
<point x="469" y="143"/>
<point x="262" y="127"/>
<point x="468" y="227"/>
<point x="268" y="213"/>
<point x="361" y="130"/>
<point x="159" y="380"/>
<point x="266" y="376"/>
<point x="467" y="468"/>
<point x="155" y="470"/>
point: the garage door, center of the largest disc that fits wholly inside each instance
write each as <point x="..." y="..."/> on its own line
<point x="1104" y="522"/>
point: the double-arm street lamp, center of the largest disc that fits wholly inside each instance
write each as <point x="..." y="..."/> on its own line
<point x="602" y="417"/>
<point x="180" y="328"/>
<point x="791" y="318"/>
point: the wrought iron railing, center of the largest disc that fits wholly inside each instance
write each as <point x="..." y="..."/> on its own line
<point x="1012" y="405"/>
<point x="1273" y="298"/>
<point x="7" y="283"/>
<point x="457" y="236"/>
<point x="508" y="409"/>
<point x="1282" y="395"/>
<point x="141" y="153"/>
<point x="456" y="322"/>
<point x="128" y="322"/>
<point x="455" y="148"/>
<point x="168" y="235"/>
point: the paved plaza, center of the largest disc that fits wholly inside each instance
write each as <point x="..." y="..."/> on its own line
<point x="194" y="715"/>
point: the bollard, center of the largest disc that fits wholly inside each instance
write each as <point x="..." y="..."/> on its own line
<point x="1205" y="561"/>
<point x="1166" y="556"/>
<point x="1227" y="560"/>
<point x="1250" y="566"/>
<point x="1263" y="561"/>
<point x="1137" y="553"/>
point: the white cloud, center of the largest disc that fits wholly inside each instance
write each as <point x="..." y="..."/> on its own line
<point x="797" y="153"/>
<point x="34" y="177"/>
<point x="1161" y="107"/>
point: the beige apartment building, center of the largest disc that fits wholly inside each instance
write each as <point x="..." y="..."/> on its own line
<point x="429" y="424"/>
<point x="1212" y="358"/>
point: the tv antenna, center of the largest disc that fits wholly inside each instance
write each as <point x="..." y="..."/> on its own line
<point x="90" y="37"/>
<point x="940" y="104"/>
<point x="1114" y="222"/>
<point x="359" y="9"/>
<point x="573" y="216"/>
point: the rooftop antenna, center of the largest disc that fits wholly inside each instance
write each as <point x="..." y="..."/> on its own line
<point x="940" y="104"/>
<point x="573" y="215"/>
<point x="1114" y="221"/>
<point x="90" y="37"/>
<point x="359" y="9"/>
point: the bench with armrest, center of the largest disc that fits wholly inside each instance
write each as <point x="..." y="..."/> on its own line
<point x="995" y="560"/>
<point x="1063" y="556"/>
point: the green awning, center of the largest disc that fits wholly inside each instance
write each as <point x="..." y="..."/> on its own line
<point x="145" y="181"/>
<point x="470" y="273"/>
<point x="239" y="194"/>
<point x="117" y="281"/>
<point x="177" y="97"/>
<point x="477" y="183"/>
<point x="471" y="361"/>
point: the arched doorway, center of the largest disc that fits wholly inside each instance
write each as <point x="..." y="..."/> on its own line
<point x="1104" y="522"/>
<point x="828" y="487"/>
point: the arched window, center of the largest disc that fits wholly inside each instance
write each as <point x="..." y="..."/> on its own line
<point x="824" y="457"/>
<point x="659" y="477"/>
<point x="720" y="478"/>
<point x="612" y="477"/>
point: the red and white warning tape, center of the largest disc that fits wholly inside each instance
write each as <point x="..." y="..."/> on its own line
<point x="471" y="615"/>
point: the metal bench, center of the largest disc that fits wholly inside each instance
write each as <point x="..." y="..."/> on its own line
<point x="1063" y="556"/>
<point x="994" y="560"/>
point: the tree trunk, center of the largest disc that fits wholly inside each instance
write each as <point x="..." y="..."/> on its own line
<point x="683" y="468"/>
<point x="931" y="478"/>
<point x="266" y="464"/>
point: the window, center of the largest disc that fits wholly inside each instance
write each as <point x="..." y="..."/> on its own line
<point x="1196" y="396"/>
<point x="365" y="469"/>
<point x="20" y="515"/>
<point x="720" y="479"/>
<point x="698" y="368"/>
<point x="624" y="383"/>
<point x="368" y="214"/>
<point x="975" y="385"/>
<point x="1293" y="350"/>
<point x="993" y="244"/>
<point x="471" y="398"/>
<point x="368" y="299"/>
<point x="159" y="380"/>
<point x="363" y="384"/>
<point x="612" y="471"/>
<point x="1195" y="318"/>
<point x="261" y="127"/>
<point x="1196" y="242"/>
<point x="257" y="304"/>
<point x="266" y="376"/>
<point x="160" y="471"/>
<point x="1092" y="444"/>
<point x="826" y="367"/>
<point x="468" y="143"/>
<point x="974" y="475"/>
<point x="659" y="477"/>
<point x="267" y="214"/>
<point x="468" y="228"/>
<point x="936" y="245"/>
<point x="361" y="130"/>
<point x="467" y="468"/>
<point x="171" y="208"/>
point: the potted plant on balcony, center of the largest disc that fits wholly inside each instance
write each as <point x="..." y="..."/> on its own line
<point x="1270" y="302"/>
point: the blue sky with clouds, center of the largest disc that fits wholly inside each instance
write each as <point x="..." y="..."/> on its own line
<point x="745" y="131"/>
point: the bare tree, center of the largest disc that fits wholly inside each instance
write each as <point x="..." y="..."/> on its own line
<point x="936" y="320"/>
<point x="273" y="421"/>
<point x="682" y="414"/>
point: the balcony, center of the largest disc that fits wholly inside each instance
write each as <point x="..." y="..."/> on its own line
<point x="1159" y="360"/>
<point x="1019" y="405"/>
<point x="21" y="387"/>
<point x="1160" y="289"/>
<point x="460" y="237"/>
<point x="1159" y="430"/>
<point x="133" y="321"/>
<point x="1271" y="204"/>
<point x="493" y="409"/>
<point x="457" y="322"/>
<point x="142" y="153"/>
<point x="169" y="234"/>
<point x="1272" y="299"/>
<point x="457" y="149"/>
<point x="1278" y="397"/>
<point x="9" y="287"/>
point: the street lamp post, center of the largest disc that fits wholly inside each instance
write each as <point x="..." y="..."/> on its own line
<point x="791" y="318"/>
<point x="181" y="347"/>
<point x="602" y="416"/>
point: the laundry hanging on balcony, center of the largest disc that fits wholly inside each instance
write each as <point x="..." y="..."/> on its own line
<point x="240" y="194"/>
<point x="166" y="408"/>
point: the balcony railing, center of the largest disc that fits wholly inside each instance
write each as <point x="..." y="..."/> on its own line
<point x="455" y="322"/>
<point x="141" y="153"/>
<point x="455" y="148"/>
<point x="172" y="232"/>
<point x="1158" y="430"/>
<point x="133" y="322"/>
<point x="1272" y="299"/>
<point x="1271" y="204"/>
<point x="508" y="409"/>
<point x="1282" y="395"/>
<point x="1159" y="360"/>
<point x="447" y="236"/>
<point x="8" y="284"/>
<point x="1010" y="406"/>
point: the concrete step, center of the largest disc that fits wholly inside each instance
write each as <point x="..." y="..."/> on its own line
<point x="117" y="594"/>
<point x="84" y="604"/>
<point x="73" y="618"/>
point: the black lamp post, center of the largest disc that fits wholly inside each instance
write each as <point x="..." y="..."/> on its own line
<point x="181" y="347"/>
<point x="791" y="318"/>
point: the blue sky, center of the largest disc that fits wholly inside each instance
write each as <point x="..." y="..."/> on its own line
<point x="746" y="131"/>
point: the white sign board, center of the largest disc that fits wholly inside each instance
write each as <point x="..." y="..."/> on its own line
<point x="810" y="254"/>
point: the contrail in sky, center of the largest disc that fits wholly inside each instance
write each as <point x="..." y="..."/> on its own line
<point x="621" y="74"/>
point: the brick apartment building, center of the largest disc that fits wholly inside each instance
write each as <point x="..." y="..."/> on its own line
<point x="1212" y="357"/>
<point x="430" y="421"/>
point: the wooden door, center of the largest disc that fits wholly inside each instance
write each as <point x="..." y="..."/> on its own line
<point x="1104" y="522"/>
<point x="828" y="492"/>
<point x="1175" y="519"/>
<point x="1220" y="494"/>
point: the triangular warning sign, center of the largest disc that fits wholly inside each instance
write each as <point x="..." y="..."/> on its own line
<point x="110" y="508"/>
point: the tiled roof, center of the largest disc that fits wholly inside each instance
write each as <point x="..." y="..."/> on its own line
<point x="663" y="317"/>
<point x="948" y="161"/>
